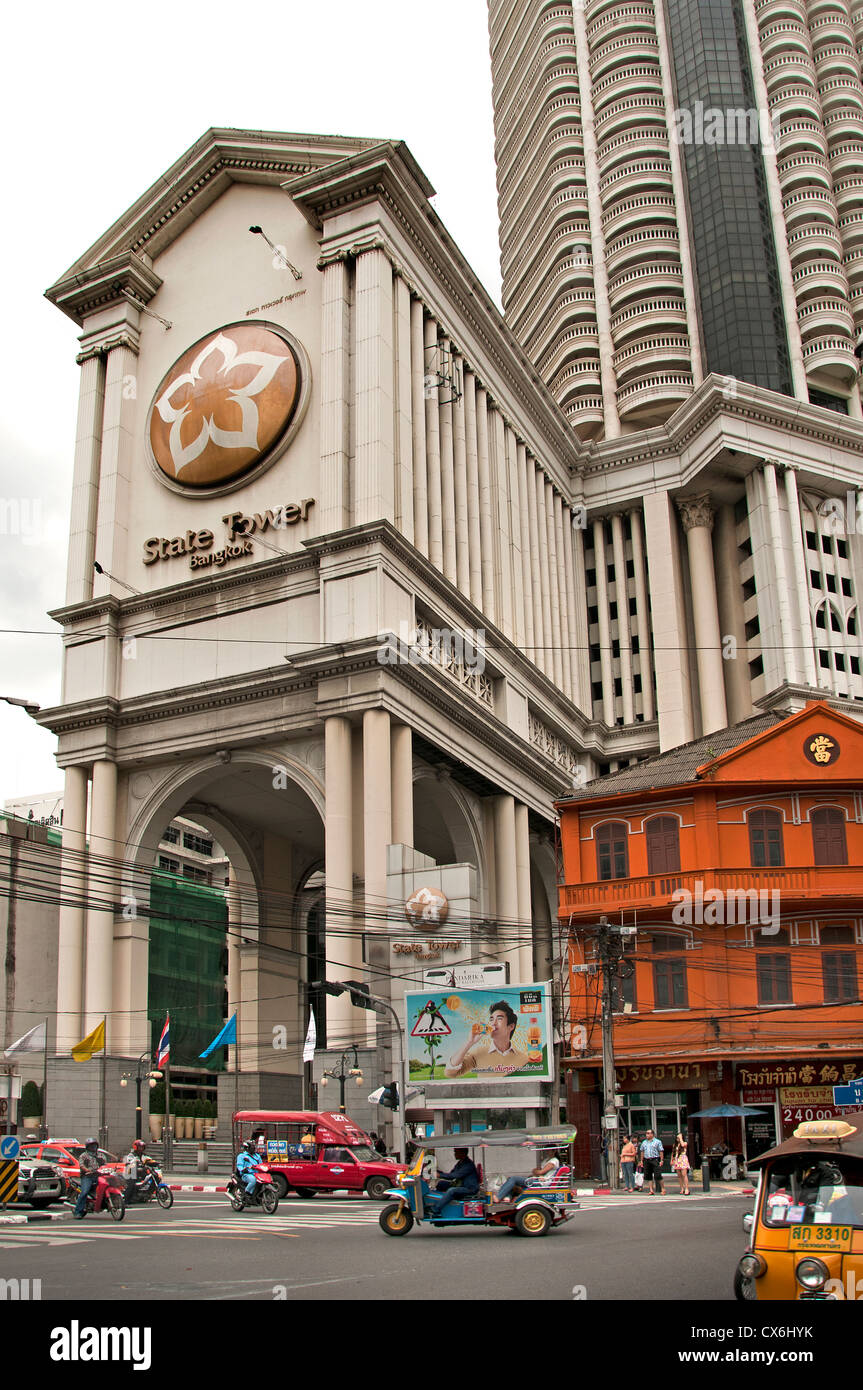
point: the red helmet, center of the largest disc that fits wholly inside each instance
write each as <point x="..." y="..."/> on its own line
<point x="139" y="1145"/>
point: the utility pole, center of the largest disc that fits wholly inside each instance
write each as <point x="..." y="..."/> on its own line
<point x="610" y="949"/>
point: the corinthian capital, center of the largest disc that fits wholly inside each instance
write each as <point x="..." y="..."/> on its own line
<point x="696" y="511"/>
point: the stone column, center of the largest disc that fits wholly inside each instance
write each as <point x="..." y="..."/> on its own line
<point x="642" y="611"/>
<point x="489" y="607"/>
<point x="335" y="401"/>
<point x="525" y="922"/>
<point x="600" y="561"/>
<point x="729" y="596"/>
<point x="418" y="421"/>
<point x="473" y="507"/>
<point x="801" y="581"/>
<point x="404" y="479"/>
<point x="377" y="834"/>
<point x="673" y="687"/>
<point x="540" y="615"/>
<point x="343" y="934"/>
<point x="520" y="561"/>
<point x="402" y="785"/>
<point x="499" y="471"/>
<point x="564" y="580"/>
<point x="85" y="479"/>
<point x="432" y="414"/>
<point x="373" y="375"/>
<point x="232" y="899"/>
<point x="545" y="655"/>
<point x="73" y="878"/>
<point x="101" y="895"/>
<point x="556" y="577"/>
<point x="460" y="480"/>
<point x="787" y="662"/>
<point x="697" y="517"/>
<point x="624" y="633"/>
<point x="447" y="470"/>
<point x="506" y="880"/>
<point x="116" y="463"/>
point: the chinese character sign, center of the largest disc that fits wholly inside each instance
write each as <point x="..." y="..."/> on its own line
<point x="480" y="1034"/>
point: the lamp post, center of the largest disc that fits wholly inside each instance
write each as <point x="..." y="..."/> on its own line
<point x="342" y="1075"/>
<point x="143" y="1071"/>
<point x="362" y="998"/>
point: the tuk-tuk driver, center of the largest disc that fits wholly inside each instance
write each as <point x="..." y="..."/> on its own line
<point x="460" y="1182"/>
<point x="490" y="1050"/>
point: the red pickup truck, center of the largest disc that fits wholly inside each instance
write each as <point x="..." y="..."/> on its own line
<point x="310" y="1151"/>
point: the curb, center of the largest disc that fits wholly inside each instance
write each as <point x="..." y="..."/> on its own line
<point x="31" y="1217"/>
<point x="194" y="1187"/>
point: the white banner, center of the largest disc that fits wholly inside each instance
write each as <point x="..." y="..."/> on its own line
<point x="311" y="1039"/>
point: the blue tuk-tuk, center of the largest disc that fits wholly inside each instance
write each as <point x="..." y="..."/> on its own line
<point x="532" y="1212"/>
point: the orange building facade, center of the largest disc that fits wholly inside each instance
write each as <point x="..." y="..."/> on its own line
<point x="738" y="861"/>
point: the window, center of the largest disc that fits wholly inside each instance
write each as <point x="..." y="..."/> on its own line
<point x="669" y="984"/>
<point x="663" y="845"/>
<point x="774" y="979"/>
<point x="765" y="839"/>
<point x="612" y="858"/>
<point x="623" y="990"/>
<point x="197" y="843"/>
<point x="828" y="836"/>
<point x="171" y="835"/>
<point x="191" y="871"/>
<point x="171" y="866"/>
<point x="839" y="970"/>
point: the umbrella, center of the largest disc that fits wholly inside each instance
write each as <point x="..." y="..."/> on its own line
<point x="723" y="1112"/>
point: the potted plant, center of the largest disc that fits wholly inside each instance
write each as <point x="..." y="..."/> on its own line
<point x="157" y="1110"/>
<point x="200" y="1118"/>
<point x="212" y="1115"/>
<point x="31" y="1105"/>
<point x="180" y="1119"/>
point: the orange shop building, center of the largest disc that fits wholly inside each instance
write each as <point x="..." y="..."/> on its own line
<point x="738" y="859"/>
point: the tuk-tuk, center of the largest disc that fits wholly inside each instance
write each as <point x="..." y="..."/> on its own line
<point x="532" y="1212"/>
<point x="806" y="1240"/>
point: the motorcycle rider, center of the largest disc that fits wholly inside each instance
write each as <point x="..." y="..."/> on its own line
<point x="135" y="1168"/>
<point x="248" y="1160"/>
<point x="88" y="1168"/>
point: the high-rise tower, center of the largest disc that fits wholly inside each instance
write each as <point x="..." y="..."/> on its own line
<point x="680" y="193"/>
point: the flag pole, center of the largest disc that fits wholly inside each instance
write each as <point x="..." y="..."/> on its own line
<point x="168" y="1141"/>
<point x="103" y="1118"/>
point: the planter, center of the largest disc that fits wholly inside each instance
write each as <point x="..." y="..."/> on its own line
<point x="33" y="1122"/>
<point x="179" y="1126"/>
<point x="156" y="1124"/>
<point x="200" y="1122"/>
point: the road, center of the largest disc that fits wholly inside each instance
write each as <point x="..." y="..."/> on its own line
<point x="679" y="1249"/>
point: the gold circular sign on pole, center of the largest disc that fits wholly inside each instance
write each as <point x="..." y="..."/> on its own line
<point x="226" y="408"/>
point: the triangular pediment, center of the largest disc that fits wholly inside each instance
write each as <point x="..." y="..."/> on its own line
<point x="816" y="744"/>
<point x="126" y="251"/>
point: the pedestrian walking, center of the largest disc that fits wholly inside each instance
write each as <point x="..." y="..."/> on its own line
<point x="628" y="1159"/>
<point x="680" y="1164"/>
<point x="651" y="1154"/>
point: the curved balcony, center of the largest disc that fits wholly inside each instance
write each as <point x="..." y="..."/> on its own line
<point x="635" y="247"/>
<point x="558" y="121"/>
<point x="836" y="60"/>
<point x="797" y="135"/>
<point x="648" y="317"/>
<point x="851" y="228"/>
<point x="577" y="343"/>
<point x="568" y="260"/>
<point x="815" y="241"/>
<point x="632" y="77"/>
<point x="620" y="115"/>
<point x="632" y="48"/>
<point x="819" y="279"/>
<point x="548" y="244"/>
<point x="812" y="204"/>
<point x="571" y="201"/>
<point x="641" y="173"/>
<point x="564" y="176"/>
<point x="785" y="36"/>
<point x="846" y="122"/>
<point x="848" y="193"/>
<point x="654" y="397"/>
<point x="655" y="278"/>
<point x="621" y="17"/>
<point x="838" y="93"/>
<point x="553" y="28"/>
<point x="543" y="322"/>
<point x="831" y="357"/>
<point x="766" y="10"/>
<point x="846" y="158"/>
<point x="568" y="141"/>
<point x="586" y="416"/>
<point x="799" y="169"/>
<point x="795" y="71"/>
<point x="670" y="350"/>
<point x="555" y="66"/>
<point x="649" y="207"/>
<point x="583" y="379"/>
<point x="828" y="28"/>
<point x="853" y="267"/>
<point x="820" y="318"/>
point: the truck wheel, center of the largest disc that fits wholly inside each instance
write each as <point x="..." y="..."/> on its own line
<point x="396" y="1219"/>
<point x="306" y="1191"/>
<point x="281" y="1186"/>
<point x="532" y="1221"/>
<point x="377" y="1188"/>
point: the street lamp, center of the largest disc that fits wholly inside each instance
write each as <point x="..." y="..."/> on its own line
<point x="362" y="998"/>
<point x="143" y="1072"/>
<point x="342" y="1075"/>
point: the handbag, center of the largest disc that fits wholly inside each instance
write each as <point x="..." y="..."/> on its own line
<point x="639" y="1179"/>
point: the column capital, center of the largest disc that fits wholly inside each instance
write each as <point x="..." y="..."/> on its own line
<point x="100" y="344"/>
<point x="696" y="511"/>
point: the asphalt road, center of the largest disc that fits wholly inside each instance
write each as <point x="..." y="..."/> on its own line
<point x="675" y="1250"/>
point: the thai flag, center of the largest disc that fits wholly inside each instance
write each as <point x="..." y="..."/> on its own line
<point x="163" y="1051"/>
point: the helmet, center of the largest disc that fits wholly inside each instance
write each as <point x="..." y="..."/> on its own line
<point x="92" y="1144"/>
<point x="139" y="1146"/>
<point x="250" y="1146"/>
<point x="824" y="1174"/>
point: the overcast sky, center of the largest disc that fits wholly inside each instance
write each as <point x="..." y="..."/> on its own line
<point x="98" y="101"/>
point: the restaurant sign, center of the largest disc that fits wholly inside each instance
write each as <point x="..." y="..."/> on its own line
<point x="817" y="1073"/>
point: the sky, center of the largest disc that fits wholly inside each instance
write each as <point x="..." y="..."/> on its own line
<point x="98" y="101"/>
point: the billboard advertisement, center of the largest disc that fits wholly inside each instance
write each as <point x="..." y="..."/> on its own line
<point x="494" y="1034"/>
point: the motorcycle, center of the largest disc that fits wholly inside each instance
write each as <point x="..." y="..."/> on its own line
<point x="151" y="1186"/>
<point x="109" y="1192"/>
<point x="264" y="1195"/>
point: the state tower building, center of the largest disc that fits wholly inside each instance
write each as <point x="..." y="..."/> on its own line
<point x="363" y="577"/>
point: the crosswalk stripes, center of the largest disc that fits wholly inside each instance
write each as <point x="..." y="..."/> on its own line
<point x="233" y="1226"/>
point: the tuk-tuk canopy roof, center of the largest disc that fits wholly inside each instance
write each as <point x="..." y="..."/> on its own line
<point x="554" y="1138"/>
<point x="852" y="1144"/>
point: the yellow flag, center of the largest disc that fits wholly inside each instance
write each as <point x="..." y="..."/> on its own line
<point x="94" y="1042"/>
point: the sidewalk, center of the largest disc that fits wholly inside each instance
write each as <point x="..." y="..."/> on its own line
<point x="741" y="1187"/>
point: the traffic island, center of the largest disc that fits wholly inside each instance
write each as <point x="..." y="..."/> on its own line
<point x="27" y="1218"/>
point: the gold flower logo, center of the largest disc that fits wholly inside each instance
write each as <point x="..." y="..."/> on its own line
<point x="224" y="405"/>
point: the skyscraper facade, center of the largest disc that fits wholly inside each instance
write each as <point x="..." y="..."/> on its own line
<point x="680" y="194"/>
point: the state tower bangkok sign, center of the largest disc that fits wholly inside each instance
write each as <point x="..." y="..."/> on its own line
<point x="227" y="408"/>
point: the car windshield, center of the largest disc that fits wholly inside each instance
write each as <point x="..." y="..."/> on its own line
<point x="805" y="1189"/>
<point x="103" y="1155"/>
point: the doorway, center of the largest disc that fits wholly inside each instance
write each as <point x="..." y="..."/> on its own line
<point x="663" y="1111"/>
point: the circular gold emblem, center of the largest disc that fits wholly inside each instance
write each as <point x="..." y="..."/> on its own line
<point x="821" y="749"/>
<point x="427" y="906"/>
<point x="225" y="406"/>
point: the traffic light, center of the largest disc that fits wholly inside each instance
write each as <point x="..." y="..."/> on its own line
<point x="390" y="1097"/>
<point x="359" y="994"/>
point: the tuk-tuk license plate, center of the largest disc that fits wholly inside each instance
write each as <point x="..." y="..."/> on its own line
<point x="823" y="1238"/>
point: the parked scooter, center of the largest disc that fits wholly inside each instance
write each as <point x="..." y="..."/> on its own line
<point x="109" y="1192"/>
<point x="264" y="1195"/>
<point x="151" y="1187"/>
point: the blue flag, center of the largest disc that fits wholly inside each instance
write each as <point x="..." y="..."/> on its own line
<point x="227" y="1035"/>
